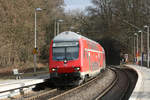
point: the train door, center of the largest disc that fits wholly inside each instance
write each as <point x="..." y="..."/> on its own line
<point x="104" y="61"/>
<point x="100" y="59"/>
<point x="90" y="67"/>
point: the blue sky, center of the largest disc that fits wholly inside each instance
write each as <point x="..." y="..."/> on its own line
<point x="77" y="4"/>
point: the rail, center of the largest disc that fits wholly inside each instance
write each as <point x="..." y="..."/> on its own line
<point x="124" y="83"/>
<point x="109" y="87"/>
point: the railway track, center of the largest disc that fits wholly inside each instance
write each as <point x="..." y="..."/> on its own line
<point x="116" y="89"/>
<point x="123" y="87"/>
<point x="87" y="84"/>
<point x="56" y="93"/>
<point x="40" y="94"/>
<point x="108" y="88"/>
<point x="52" y="94"/>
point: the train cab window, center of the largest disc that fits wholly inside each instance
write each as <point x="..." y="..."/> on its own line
<point x="72" y="53"/>
<point x="65" y="50"/>
<point x="58" y="53"/>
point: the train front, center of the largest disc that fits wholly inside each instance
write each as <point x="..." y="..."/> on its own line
<point x="64" y="61"/>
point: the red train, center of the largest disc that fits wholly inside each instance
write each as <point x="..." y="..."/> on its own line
<point x="74" y="58"/>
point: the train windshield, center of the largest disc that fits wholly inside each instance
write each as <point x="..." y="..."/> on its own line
<point x="67" y="52"/>
<point x="72" y="53"/>
<point x="58" y="53"/>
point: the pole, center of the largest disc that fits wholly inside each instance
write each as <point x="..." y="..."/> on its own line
<point x="35" y="40"/>
<point x="35" y="31"/>
<point x="137" y="49"/>
<point x="148" y="46"/>
<point x="35" y="45"/>
<point x="141" y="47"/>
<point x="134" y="52"/>
<point x="57" y="27"/>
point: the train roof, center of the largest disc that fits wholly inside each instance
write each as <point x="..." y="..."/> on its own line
<point x="70" y="36"/>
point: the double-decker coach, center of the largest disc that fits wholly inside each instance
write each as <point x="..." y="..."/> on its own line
<point x="73" y="58"/>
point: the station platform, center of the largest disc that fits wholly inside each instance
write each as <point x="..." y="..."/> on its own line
<point x="142" y="88"/>
<point x="9" y="86"/>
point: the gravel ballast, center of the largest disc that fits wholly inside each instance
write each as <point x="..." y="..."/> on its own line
<point x="94" y="89"/>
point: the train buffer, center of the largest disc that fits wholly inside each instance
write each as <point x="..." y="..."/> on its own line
<point x="17" y="74"/>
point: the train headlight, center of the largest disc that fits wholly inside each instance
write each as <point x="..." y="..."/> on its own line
<point x="76" y="68"/>
<point x="54" y="69"/>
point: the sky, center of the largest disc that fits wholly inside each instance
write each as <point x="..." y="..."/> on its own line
<point x="77" y="4"/>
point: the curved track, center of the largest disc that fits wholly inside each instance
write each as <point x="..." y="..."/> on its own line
<point x="122" y="89"/>
<point x="80" y="91"/>
<point x="76" y="89"/>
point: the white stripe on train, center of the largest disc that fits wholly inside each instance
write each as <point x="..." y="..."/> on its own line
<point x="93" y="50"/>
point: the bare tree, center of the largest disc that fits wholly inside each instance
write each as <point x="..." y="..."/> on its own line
<point x="17" y="28"/>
